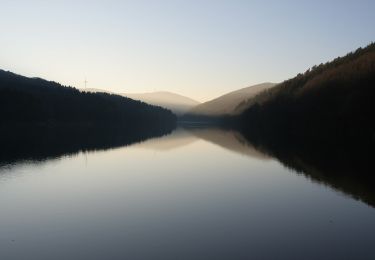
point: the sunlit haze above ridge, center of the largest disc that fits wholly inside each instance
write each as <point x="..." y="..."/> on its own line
<point x="201" y="49"/>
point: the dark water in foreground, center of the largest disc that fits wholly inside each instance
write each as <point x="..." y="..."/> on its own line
<point x="193" y="194"/>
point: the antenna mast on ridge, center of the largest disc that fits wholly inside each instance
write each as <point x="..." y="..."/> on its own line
<point x="85" y="83"/>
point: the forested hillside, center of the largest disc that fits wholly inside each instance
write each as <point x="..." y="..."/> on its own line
<point x="34" y="100"/>
<point x="227" y="104"/>
<point x="329" y="101"/>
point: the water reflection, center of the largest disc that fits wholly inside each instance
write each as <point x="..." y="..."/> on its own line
<point x="342" y="168"/>
<point x="176" y="140"/>
<point x="346" y="167"/>
<point x="229" y="139"/>
<point x="193" y="194"/>
<point x="43" y="143"/>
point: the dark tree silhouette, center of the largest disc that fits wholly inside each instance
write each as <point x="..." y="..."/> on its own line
<point x="332" y="102"/>
<point x="33" y="100"/>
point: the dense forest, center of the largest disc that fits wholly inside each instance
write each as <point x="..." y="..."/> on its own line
<point x="36" y="101"/>
<point x="332" y="102"/>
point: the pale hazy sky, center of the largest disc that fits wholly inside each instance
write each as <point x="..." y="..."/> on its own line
<point x="198" y="48"/>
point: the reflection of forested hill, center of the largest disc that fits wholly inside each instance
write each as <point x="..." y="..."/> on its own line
<point x="228" y="139"/>
<point x="346" y="167"/>
<point x="179" y="138"/>
<point x="38" y="143"/>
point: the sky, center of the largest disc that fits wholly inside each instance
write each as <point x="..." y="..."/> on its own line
<point x="198" y="48"/>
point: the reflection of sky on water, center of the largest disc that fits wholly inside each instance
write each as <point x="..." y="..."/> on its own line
<point x="198" y="201"/>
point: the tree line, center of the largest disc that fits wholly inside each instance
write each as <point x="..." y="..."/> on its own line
<point x="331" y="101"/>
<point x="34" y="100"/>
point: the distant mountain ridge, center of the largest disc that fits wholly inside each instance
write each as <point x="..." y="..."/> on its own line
<point x="227" y="104"/>
<point x="178" y="104"/>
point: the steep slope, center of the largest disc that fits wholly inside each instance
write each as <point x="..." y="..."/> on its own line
<point x="321" y="123"/>
<point x="177" y="103"/>
<point x="331" y="101"/>
<point x="227" y="104"/>
<point x="34" y="100"/>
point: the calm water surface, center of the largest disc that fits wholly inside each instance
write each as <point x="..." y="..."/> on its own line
<point x="194" y="194"/>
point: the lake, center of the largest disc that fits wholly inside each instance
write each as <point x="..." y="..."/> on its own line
<point x="192" y="194"/>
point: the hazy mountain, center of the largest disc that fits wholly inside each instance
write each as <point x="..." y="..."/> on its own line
<point x="177" y="103"/>
<point x="227" y="104"/>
